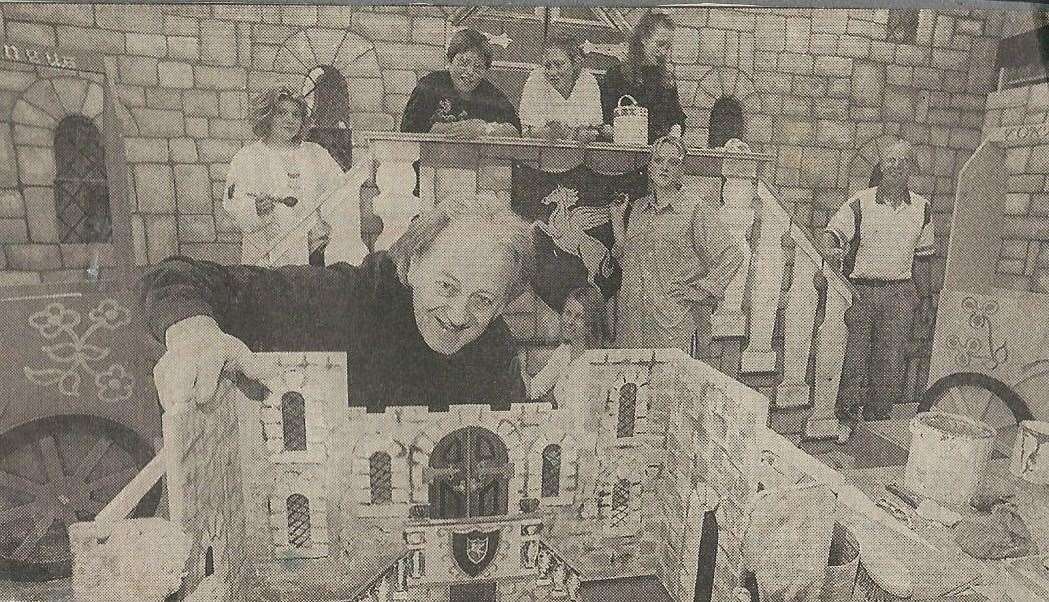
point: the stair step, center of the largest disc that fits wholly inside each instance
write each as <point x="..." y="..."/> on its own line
<point x="789" y="421"/>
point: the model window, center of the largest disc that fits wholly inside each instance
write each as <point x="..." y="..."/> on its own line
<point x="551" y="476"/>
<point x="293" y="415"/>
<point x="81" y="191"/>
<point x="627" y="410"/>
<point x="381" y="487"/>
<point x="298" y="521"/>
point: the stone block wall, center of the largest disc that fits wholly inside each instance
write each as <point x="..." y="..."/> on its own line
<point x="712" y="457"/>
<point x="204" y="480"/>
<point x="818" y="88"/>
<point x="1023" y="262"/>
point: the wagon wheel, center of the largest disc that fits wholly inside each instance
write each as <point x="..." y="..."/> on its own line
<point x="981" y="397"/>
<point x="57" y="471"/>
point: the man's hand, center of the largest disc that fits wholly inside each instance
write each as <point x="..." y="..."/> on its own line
<point x="198" y="353"/>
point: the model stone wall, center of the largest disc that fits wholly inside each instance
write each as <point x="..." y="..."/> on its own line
<point x="817" y="87"/>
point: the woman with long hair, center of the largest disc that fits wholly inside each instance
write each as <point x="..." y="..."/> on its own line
<point x="647" y="74"/>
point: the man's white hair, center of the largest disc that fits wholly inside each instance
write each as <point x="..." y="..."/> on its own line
<point x="509" y="231"/>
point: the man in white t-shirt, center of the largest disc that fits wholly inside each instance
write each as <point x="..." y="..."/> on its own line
<point x="890" y="232"/>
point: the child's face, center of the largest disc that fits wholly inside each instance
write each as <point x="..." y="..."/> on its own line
<point x="574" y="324"/>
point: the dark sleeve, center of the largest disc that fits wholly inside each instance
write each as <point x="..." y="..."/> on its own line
<point x="420" y="108"/>
<point x="254" y="304"/>
<point x="508" y="110"/>
<point x="612" y="86"/>
<point x="672" y="102"/>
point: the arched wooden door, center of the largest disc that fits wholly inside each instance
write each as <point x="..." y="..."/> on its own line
<point x="472" y="472"/>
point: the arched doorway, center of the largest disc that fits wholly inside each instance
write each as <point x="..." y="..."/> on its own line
<point x="471" y="475"/>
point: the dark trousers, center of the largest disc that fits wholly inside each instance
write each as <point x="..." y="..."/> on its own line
<point x="880" y="324"/>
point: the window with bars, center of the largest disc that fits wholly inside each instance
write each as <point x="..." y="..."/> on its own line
<point x="903" y="25"/>
<point x="328" y="97"/>
<point x="620" y="502"/>
<point x="298" y="520"/>
<point x="81" y="190"/>
<point x="381" y="478"/>
<point x="293" y="417"/>
<point x="627" y="410"/>
<point x="551" y="475"/>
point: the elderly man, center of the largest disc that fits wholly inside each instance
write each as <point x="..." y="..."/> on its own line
<point x="420" y="323"/>
<point x="891" y="238"/>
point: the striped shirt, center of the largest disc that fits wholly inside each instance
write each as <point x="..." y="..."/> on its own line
<point x="890" y="237"/>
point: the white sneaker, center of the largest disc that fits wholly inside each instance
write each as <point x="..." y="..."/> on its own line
<point x="844" y="432"/>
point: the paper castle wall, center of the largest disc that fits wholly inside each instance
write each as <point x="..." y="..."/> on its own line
<point x="302" y="496"/>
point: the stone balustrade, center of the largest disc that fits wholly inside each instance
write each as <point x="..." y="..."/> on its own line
<point x="781" y="324"/>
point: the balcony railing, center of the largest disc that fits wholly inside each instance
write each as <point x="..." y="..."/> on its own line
<point x="785" y="310"/>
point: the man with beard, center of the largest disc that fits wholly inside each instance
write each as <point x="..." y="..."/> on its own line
<point x="891" y="236"/>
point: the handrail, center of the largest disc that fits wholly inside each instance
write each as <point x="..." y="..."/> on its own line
<point x="125" y="501"/>
<point x="839" y="283"/>
<point x="363" y="593"/>
<point x="368" y="136"/>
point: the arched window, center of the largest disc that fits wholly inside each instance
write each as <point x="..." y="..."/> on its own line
<point x="298" y="520"/>
<point x="328" y="97"/>
<point x="627" y="410"/>
<point x="293" y="415"/>
<point x="381" y="487"/>
<point x="620" y="502"/>
<point x="551" y="476"/>
<point x="81" y="192"/>
<point x="726" y="122"/>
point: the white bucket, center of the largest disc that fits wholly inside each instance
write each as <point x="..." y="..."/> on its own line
<point x="629" y="122"/>
<point x="948" y="456"/>
<point x="1030" y="458"/>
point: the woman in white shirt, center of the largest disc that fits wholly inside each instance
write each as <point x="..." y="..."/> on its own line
<point x="274" y="180"/>
<point x="582" y="329"/>
<point x="561" y="99"/>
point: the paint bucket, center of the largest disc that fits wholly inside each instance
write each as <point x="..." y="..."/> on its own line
<point x="840" y="580"/>
<point x="1030" y="458"/>
<point x="948" y="456"/>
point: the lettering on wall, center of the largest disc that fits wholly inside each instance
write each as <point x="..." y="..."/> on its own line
<point x="39" y="56"/>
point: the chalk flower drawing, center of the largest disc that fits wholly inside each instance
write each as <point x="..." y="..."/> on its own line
<point x="75" y="356"/>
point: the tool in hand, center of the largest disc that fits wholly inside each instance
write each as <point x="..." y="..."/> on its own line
<point x="288" y="201"/>
<point x="908" y="496"/>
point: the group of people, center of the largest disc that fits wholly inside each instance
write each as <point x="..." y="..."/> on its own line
<point x="421" y="322"/>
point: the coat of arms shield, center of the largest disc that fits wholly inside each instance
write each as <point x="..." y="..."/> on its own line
<point x="475" y="550"/>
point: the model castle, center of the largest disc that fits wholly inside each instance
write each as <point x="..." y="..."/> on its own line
<point x="300" y="497"/>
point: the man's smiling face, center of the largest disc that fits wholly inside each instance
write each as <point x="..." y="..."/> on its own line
<point x="458" y="287"/>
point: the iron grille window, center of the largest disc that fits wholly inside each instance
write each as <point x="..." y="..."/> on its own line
<point x="620" y="502"/>
<point x="81" y="191"/>
<point x="726" y="122"/>
<point x="381" y="486"/>
<point x="627" y="410"/>
<point x="293" y="415"/>
<point x="903" y="25"/>
<point x="551" y="476"/>
<point x="298" y="520"/>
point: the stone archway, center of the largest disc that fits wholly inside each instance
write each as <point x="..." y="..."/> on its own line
<point x="352" y="55"/>
<point x="34" y="119"/>
<point x="729" y="82"/>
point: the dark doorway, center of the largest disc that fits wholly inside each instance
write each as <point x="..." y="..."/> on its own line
<point x="481" y="591"/>
<point x="472" y="475"/>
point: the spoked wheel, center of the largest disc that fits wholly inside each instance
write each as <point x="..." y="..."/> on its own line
<point x="983" y="398"/>
<point x="55" y="472"/>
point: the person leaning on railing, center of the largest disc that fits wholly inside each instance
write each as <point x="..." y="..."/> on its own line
<point x="561" y="98"/>
<point x="459" y="101"/>
<point x="272" y="180"/>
